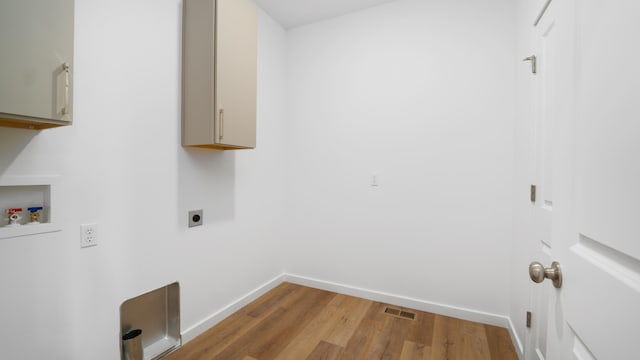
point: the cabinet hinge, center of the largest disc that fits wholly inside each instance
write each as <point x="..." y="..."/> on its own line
<point x="528" y="319"/>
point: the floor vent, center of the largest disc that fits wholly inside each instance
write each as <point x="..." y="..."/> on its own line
<point x="392" y="311"/>
<point x="400" y="313"/>
<point x="408" y="315"/>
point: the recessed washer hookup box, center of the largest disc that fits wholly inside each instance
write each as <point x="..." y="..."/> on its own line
<point x="157" y="314"/>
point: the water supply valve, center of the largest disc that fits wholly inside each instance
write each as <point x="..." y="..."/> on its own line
<point x="34" y="212"/>
<point x="14" y="215"/>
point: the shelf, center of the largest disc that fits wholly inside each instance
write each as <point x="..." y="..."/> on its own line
<point x="26" y="230"/>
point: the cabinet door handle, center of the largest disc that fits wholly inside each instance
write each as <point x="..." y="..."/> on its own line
<point x="67" y="72"/>
<point x="221" y="124"/>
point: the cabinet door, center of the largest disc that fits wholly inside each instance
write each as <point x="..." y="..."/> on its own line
<point x="198" y="76"/>
<point x="36" y="38"/>
<point x="235" y="73"/>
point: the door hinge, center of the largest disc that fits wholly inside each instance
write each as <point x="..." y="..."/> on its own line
<point x="533" y="193"/>
<point x="528" y="319"/>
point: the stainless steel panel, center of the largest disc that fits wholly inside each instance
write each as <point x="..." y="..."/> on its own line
<point x="157" y="314"/>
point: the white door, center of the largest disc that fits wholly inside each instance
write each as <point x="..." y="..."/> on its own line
<point x="590" y="102"/>
<point x="543" y="96"/>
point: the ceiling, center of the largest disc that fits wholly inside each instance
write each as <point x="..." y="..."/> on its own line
<point x="292" y="13"/>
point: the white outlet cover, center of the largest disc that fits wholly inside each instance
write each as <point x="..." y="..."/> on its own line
<point x="374" y="180"/>
<point x="88" y="235"/>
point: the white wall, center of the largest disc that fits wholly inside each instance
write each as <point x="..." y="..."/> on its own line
<point x="421" y="93"/>
<point x="121" y="165"/>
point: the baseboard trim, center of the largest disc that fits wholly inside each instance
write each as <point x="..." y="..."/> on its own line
<point x="211" y="320"/>
<point x="447" y="310"/>
<point x="517" y="344"/>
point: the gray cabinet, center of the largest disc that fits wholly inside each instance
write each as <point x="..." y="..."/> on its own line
<point x="36" y="82"/>
<point x="219" y="74"/>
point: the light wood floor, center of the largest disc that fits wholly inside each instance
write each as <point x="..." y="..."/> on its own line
<point x="296" y="322"/>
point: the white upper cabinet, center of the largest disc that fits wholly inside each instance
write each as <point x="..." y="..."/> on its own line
<point x="36" y="63"/>
<point x="219" y="74"/>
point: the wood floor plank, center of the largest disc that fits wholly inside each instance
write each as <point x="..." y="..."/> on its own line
<point x="210" y="343"/>
<point x="271" y="299"/>
<point x="324" y="351"/>
<point x="414" y="351"/>
<point x="312" y="334"/>
<point x="474" y="345"/>
<point x="353" y="311"/>
<point x="421" y="329"/>
<point x="439" y="342"/>
<point x="500" y="344"/>
<point x="454" y="339"/>
<point x="446" y="339"/>
<point x="293" y="322"/>
<point x="361" y="341"/>
<point x="379" y="335"/>
<point x="216" y="339"/>
<point x="383" y="344"/>
<point x="273" y="334"/>
<point x="335" y="325"/>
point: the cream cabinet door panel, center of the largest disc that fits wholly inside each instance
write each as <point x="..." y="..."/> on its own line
<point x="236" y="67"/>
<point x="219" y="74"/>
<point x="36" y="38"/>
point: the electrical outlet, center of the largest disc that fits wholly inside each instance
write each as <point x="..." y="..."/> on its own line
<point x="88" y="235"/>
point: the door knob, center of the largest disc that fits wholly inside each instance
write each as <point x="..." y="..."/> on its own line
<point x="538" y="273"/>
